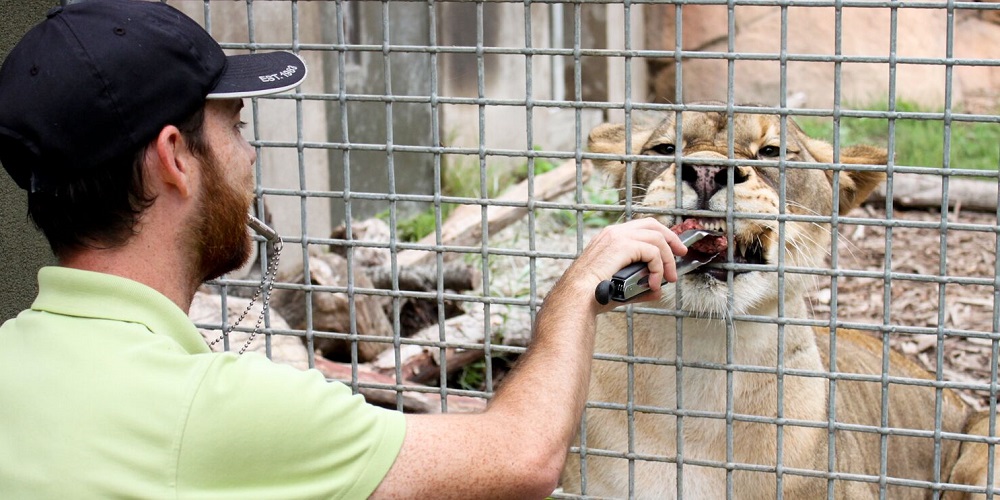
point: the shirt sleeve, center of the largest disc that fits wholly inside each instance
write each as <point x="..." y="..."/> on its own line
<point x="256" y="429"/>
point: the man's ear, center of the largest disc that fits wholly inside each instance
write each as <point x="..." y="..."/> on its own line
<point x="174" y="161"/>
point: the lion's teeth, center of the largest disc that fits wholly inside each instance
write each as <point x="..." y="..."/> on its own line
<point x="714" y="225"/>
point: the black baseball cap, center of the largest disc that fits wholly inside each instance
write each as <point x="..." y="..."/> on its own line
<point x="98" y="79"/>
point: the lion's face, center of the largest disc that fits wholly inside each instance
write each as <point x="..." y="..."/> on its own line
<point x="704" y="185"/>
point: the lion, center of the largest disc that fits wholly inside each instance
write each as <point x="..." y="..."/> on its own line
<point x="713" y="395"/>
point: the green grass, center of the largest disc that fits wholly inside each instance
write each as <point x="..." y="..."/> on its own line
<point x="918" y="142"/>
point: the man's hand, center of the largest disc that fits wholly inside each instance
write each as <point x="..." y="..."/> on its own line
<point x="640" y="240"/>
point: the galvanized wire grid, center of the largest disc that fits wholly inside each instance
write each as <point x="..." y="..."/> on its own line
<point x="437" y="148"/>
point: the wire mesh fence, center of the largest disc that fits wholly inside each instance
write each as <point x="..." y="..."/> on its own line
<point x="432" y="179"/>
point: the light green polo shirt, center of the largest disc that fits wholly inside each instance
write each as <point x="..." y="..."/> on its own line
<point x="107" y="390"/>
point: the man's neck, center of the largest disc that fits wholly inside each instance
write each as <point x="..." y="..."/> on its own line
<point x="160" y="270"/>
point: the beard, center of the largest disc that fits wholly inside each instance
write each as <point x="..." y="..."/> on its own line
<point x="222" y="240"/>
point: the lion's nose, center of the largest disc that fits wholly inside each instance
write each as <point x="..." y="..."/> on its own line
<point x="706" y="180"/>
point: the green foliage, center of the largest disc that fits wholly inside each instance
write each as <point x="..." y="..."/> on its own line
<point x="541" y="165"/>
<point x="601" y="218"/>
<point x="593" y="194"/>
<point x="918" y="142"/>
<point x="414" y="228"/>
<point x="473" y="376"/>
<point x="462" y="176"/>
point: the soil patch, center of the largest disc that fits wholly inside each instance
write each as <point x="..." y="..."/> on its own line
<point x="936" y="297"/>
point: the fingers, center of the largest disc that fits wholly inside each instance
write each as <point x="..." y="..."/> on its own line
<point x="640" y="240"/>
<point x="657" y="247"/>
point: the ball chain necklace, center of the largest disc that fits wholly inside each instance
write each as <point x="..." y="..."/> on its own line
<point x="267" y="280"/>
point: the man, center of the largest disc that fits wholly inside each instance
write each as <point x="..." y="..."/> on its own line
<point x="121" y="119"/>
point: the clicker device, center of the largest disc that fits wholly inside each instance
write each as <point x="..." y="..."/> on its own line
<point x="633" y="280"/>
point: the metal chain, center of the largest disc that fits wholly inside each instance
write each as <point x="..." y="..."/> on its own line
<point x="268" y="280"/>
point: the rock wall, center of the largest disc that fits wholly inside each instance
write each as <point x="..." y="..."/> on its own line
<point x="921" y="47"/>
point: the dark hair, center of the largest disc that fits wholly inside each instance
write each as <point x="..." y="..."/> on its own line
<point x="102" y="207"/>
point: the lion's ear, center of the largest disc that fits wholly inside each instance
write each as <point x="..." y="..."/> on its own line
<point x="855" y="185"/>
<point x="610" y="138"/>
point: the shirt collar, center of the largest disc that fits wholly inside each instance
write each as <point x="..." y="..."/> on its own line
<point x="87" y="294"/>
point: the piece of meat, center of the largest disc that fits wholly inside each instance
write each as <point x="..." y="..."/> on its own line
<point x="708" y="244"/>
<point x="686" y="225"/>
<point x="711" y="245"/>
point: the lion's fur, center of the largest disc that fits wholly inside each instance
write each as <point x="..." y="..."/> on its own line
<point x="709" y="342"/>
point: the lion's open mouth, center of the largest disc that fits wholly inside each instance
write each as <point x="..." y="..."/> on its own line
<point x="747" y="250"/>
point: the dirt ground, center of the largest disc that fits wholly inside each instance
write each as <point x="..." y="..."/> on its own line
<point x="916" y="291"/>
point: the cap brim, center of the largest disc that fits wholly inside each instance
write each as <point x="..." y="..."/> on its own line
<point x="262" y="73"/>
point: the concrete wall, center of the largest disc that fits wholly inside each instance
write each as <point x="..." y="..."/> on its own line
<point x="552" y="77"/>
<point x="22" y="248"/>
<point x="373" y="123"/>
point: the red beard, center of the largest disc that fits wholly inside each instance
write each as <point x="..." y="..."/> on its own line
<point x="222" y="241"/>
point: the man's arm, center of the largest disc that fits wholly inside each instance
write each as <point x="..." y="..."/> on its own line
<point x="517" y="447"/>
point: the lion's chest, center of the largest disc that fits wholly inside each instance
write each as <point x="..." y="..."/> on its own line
<point x="680" y="403"/>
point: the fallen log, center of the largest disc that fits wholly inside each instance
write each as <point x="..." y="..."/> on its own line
<point x="413" y="401"/>
<point x="376" y="259"/>
<point x="509" y="326"/>
<point x="464" y="227"/>
<point x="925" y="192"/>
<point x="364" y="231"/>
<point x="426" y="367"/>
<point x="331" y="311"/>
<point x="371" y="253"/>
<point x="454" y="276"/>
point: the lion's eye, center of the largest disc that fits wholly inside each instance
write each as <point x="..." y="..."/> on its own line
<point x="769" y="152"/>
<point x="664" y="149"/>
